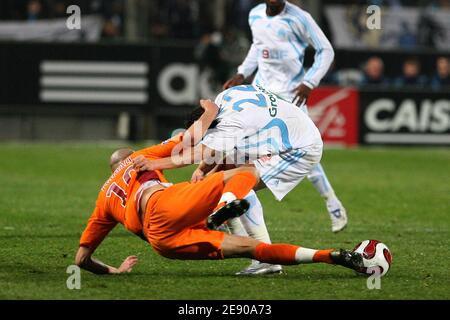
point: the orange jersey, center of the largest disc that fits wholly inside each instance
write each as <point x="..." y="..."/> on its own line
<point x="117" y="201"/>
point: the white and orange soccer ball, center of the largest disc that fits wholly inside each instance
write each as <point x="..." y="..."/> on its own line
<point x="377" y="257"/>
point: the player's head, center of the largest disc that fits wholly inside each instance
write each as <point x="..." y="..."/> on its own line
<point x="117" y="156"/>
<point x="195" y="115"/>
<point x="275" y="5"/>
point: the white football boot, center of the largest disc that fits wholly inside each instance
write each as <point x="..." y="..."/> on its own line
<point x="260" y="268"/>
<point x="338" y="214"/>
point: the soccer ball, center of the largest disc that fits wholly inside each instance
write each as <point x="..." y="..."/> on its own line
<point x="377" y="257"/>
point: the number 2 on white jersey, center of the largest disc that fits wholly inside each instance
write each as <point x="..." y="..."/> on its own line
<point x="260" y="102"/>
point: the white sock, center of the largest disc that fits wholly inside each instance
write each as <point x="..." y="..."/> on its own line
<point x="253" y="219"/>
<point x="304" y="255"/>
<point x="320" y="182"/>
<point x="251" y="224"/>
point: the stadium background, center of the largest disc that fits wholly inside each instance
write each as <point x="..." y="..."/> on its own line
<point x="178" y="51"/>
<point x="132" y="73"/>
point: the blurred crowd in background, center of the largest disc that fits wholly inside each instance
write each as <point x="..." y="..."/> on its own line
<point x="373" y="73"/>
<point x="223" y="48"/>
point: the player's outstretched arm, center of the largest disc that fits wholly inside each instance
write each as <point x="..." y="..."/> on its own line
<point x="310" y="31"/>
<point x="141" y="163"/>
<point x="186" y="157"/>
<point x="191" y="151"/>
<point x="85" y="261"/>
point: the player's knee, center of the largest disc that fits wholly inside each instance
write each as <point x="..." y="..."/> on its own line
<point x="250" y="170"/>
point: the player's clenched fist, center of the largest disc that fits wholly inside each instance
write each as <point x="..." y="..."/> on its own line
<point x="140" y="163"/>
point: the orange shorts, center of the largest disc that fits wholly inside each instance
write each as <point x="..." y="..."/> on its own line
<point x="175" y="220"/>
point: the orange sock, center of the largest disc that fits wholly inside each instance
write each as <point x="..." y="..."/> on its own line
<point x="276" y="253"/>
<point x="323" y="256"/>
<point x="287" y="254"/>
<point x="237" y="187"/>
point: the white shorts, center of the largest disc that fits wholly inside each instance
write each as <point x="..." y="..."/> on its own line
<point x="282" y="173"/>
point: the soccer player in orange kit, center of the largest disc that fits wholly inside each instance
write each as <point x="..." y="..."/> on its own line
<point x="172" y="218"/>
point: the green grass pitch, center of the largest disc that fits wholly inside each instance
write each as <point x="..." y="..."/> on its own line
<point x="400" y="196"/>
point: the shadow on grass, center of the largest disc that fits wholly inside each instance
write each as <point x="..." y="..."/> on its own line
<point x="230" y="276"/>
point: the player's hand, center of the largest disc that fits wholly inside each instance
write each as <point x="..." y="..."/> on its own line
<point x="209" y="106"/>
<point x="237" y="80"/>
<point x="141" y="163"/>
<point x="301" y="94"/>
<point x="197" y="176"/>
<point x="128" y="264"/>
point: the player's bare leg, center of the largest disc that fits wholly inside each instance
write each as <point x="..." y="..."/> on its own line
<point x="286" y="254"/>
<point x="336" y="210"/>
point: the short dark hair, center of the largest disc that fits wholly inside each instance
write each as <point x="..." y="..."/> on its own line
<point x="194" y="115"/>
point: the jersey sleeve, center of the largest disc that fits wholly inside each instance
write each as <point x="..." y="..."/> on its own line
<point x="98" y="227"/>
<point x="311" y="32"/>
<point x="162" y="150"/>
<point x="250" y="63"/>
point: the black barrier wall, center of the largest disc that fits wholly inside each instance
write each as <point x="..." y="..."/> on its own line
<point x="68" y="85"/>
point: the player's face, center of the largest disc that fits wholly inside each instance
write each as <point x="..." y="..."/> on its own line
<point x="274" y="7"/>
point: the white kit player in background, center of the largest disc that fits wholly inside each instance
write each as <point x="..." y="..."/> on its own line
<point x="281" y="33"/>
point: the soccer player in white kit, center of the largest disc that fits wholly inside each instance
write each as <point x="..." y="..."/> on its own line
<point x="257" y="126"/>
<point x="281" y="33"/>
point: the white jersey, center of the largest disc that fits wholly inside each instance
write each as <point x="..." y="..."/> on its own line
<point x="278" y="50"/>
<point x="254" y="123"/>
